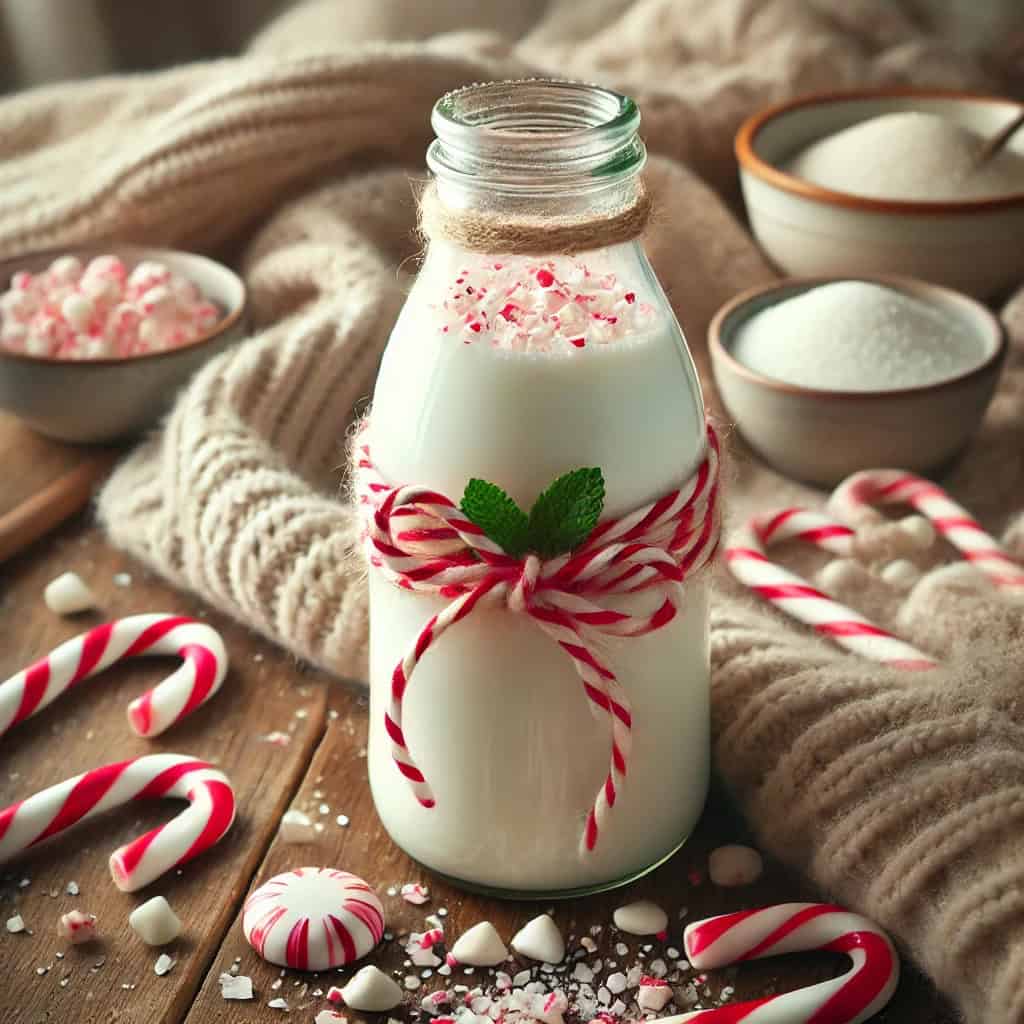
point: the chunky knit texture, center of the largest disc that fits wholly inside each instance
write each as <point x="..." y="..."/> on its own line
<point x="903" y="793"/>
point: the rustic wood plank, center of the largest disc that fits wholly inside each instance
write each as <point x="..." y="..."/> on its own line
<point x="265" y="691"/>
<point x="337" y="780"/>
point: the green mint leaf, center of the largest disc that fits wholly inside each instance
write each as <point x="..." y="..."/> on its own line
<point x="497" y="515"/>
<point x="563" y="516"/>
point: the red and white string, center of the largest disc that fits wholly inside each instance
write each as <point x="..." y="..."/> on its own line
<point x="421" y="541"/>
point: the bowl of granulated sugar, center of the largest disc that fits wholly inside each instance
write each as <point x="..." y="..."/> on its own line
<point x="888" y="181"/>
<point x="827" y="376"/>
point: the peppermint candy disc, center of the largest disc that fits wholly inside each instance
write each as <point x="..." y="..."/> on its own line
<point x="313" y="918"/>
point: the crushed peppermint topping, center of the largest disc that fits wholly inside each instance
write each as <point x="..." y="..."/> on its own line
<point x="530" y="305"/>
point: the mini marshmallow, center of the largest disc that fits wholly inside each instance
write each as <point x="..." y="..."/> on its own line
<point x="842" y="574"/>
<point x="155" y="922"/>
<point x="641" y="918"/>
<point x="481" y="946"/>
<point x="919" y="530"/>
<point x="653" y="994"/>
<point x="68" y="595"/>
<point x="734" y="865"/>
<point x="296" y="827"/>
<point x="232" y="987"/>
<point x="67" y="269"/>
<point x="78" y="311"/>
<point x="900" y="574"/>
<point x="541" y="940"/>
<point x="372" y="991"/>
<point x="77" y="927"/>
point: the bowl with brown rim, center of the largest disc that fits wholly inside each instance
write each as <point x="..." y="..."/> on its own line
<point x="98" y="400"/>
<point x="972" y="245"/>
<point x="822" y="436"/>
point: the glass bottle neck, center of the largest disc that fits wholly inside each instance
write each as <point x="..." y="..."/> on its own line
<point x="545" y="148"/>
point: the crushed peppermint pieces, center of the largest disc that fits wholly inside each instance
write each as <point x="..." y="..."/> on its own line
<point x="279" y="1004"/>
<point x="16" y="924"/>
<point x="529" y="305"/>
<point x="414" y="892"/>
<point x="277" y="738"/>
<point x="72" y="889"/>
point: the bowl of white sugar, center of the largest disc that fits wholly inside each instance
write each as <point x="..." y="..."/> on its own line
<point x="888" y="181"/>
<point x="827" y="376"/>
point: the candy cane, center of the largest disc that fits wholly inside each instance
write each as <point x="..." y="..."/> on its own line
<point x="209" y="815"/>
<point x="793" y="595"/>
<point x="195" y="682"/>
<point x="955" y="523"/>
<point x="790" y="928"/>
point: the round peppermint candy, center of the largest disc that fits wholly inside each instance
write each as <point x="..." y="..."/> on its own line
<point x="313" y="919"/>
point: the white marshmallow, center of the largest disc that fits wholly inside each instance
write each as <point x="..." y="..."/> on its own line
<point x="734" y="865"/>
<point x="68" y="594"/>
<point x="842" y="573"/>
<point x="641" y="918"/>
<point x="919" y="530"/>
<point x="232" y="987"/>
<point x="78" y="311"/>
<point x="66" y="268"/>
<point x="77" y="927"/>
<point x="154" y="922"/>
<point x="540" y="939"/>
<point x="481" y="946"/>
<point x="900" y="574"/>
<point x="372" y="991"/>
<point x="296" y="827"/>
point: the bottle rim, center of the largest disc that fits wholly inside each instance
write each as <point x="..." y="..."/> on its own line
<point x="536" y="134"/>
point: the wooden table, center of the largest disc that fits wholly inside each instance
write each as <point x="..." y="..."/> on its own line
<point x="322" y="764"/>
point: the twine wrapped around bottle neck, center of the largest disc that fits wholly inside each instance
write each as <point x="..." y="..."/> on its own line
<point x="526" y="235"/>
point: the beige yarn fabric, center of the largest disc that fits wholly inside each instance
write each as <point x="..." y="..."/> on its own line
<point x="903" y="794"/>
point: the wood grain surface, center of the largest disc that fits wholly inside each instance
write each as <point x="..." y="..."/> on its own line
<point x="323" y="765"/>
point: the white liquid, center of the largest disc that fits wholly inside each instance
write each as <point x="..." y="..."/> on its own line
<point x="495" y="714"/>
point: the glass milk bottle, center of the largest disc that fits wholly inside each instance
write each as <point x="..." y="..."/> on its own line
<point x="514" y="365"/>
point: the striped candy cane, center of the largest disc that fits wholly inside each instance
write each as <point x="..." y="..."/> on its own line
<point x="422" y="542"/>
<point x="796" y="597"/>
<point x="205" y="662"/>
<point x="209" y="815"/>
<point x="851" y="998"/>
<point x="955" y="523"/>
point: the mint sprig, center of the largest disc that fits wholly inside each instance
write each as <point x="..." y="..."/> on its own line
<point x="561" y="518"/>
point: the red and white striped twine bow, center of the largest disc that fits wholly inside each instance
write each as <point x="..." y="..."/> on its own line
<point x="423" y="542"/>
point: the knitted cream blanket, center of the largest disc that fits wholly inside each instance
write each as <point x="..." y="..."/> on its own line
<point x="904" y="794"/>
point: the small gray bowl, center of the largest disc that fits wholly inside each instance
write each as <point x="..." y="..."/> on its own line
<point x="821" y="436"/>
<point x="100" y="400"/>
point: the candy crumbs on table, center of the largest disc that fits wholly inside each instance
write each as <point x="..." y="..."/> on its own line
<point x="16" y="925"/>
<point x="653" y="994"/>
<point x="164" y="965"/>
<point x="414" y="892"/>
<point x="77" y="927"/>
<point x="296" y="827"/>
<point x="540" y="939"/>
<point x="235" y="987"/>
<point x="481" y="946"/>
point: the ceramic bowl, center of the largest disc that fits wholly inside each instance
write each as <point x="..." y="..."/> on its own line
<point x="822" y="437"/>
<point x="107" y="399"/>
<point x="972" y="245"/>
